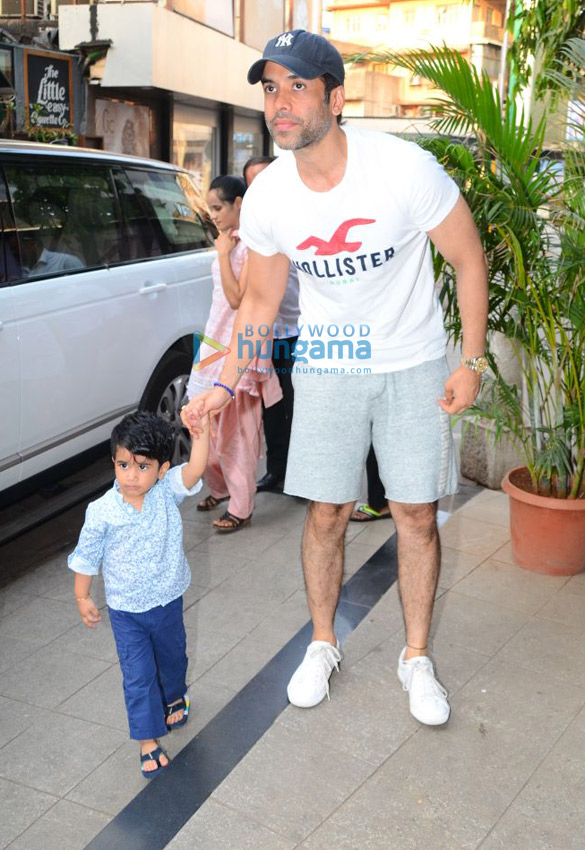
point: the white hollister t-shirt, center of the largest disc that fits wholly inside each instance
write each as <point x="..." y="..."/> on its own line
<point x="367" y="290"/>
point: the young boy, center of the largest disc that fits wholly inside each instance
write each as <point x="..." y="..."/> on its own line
<point x="135" y="533"/>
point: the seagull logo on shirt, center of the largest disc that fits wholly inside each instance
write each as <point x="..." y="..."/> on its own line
<point x="337" y="244"/>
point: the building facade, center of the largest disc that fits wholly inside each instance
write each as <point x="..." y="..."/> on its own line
<point x="475" y="29"/>
<point x="165" y="79"/>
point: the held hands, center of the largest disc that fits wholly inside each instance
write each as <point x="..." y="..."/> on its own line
<point x="196" y="415"/>
<point x="225" y="242"/>
<point x="88" y="612"/>
<point x="461" y="389"/>
<point x="197" y="426"/>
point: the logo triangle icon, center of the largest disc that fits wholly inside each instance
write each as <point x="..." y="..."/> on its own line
<point x="221" y="351"/>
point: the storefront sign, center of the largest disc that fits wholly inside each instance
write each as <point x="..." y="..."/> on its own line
<point x="48" y="86"/>
<point x="124" y="127"/>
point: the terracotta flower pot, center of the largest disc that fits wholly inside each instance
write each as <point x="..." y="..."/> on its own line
<point x="548" y="535"/>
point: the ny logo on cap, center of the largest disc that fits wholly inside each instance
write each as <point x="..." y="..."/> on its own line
<point x="285" y="40"/>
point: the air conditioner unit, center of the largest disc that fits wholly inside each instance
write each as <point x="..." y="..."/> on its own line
<point x="42" y="8"/>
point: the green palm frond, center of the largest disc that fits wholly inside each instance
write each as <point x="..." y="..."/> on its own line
<point x="537" y="272"/>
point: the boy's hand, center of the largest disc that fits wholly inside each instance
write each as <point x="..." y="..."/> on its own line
<point x="212" y="402"/>
<point x="89" y="612"/>
<point x="195" y="424"/>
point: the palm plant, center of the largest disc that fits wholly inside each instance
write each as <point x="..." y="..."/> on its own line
<point x="533" y="228"/>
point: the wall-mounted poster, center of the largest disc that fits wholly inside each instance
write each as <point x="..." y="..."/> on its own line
<point x="218" y="14"/>
<point x="125" y="127"/>
<point x="48" y="88"/>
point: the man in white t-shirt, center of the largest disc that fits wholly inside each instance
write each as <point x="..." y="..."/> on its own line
<point x="354" y="212"/>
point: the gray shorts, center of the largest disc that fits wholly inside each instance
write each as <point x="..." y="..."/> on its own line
<point x="336" y="417"/>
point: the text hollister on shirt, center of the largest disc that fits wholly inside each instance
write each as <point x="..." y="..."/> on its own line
<point x="341" y="266"/>
<point x="336" y="266"/>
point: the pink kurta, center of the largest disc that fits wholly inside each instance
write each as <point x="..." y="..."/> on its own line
<point x="236" y="445"/>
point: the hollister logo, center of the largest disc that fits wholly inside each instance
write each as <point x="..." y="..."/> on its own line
<point x="285" y="40"/>
<point x="337" y="243"/>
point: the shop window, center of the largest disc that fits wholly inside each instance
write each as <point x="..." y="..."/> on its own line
<point x="66" y="218"/>
<point x="172" y="206"/>
<point x="193" y="150"/>
<point x="246" y="145"/>
<point x="408" y="17"/>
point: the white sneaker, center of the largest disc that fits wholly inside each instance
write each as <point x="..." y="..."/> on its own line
<point x="428" y="699"/>
<point x="309" y="684"/>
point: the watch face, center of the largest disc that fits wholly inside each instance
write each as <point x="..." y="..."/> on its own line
<point x="477" y="364"/>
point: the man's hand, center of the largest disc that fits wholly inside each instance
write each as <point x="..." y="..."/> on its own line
<point x="210" y="402"/>
<point x="461" y="389"/>
<point x="89" y="612"/>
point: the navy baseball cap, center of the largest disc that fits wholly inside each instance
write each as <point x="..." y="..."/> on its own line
<point x="304" y="53"/>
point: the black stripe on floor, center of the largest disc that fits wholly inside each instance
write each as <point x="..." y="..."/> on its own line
<point x="152" y="819"/>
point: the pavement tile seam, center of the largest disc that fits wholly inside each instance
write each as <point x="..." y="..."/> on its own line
<point x="535" y="667"/>
<point x="75" y="651"/>
<point x="373" y="769"/>
<point x="366" y="780"/>
<point x="492" y="605"/>
<point x="343" y="751"/>
<point x="252" y="819"/>
<point x="249" y="633"/>
<point x="243" y="565"/>
<point x="39" y="647"/>
<point x="20" y="835"/>
<point x="66" y="795"/>
<point x="508" y="607"/>
<point x="32" y="788"/>
<point x="34" y="648"/>
<point x="83" y="717"/>
<point x="529" y="778"/>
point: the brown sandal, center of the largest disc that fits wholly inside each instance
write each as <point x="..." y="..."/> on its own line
<point x="236" y="522"/>
<point x="210" y="503"/>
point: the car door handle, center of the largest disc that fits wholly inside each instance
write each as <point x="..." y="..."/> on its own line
<point x="153" y="287"/>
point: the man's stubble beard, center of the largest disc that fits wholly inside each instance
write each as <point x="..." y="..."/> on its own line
<point x="311" y="134"/>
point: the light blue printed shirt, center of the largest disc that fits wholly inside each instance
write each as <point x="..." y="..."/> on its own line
<point x="140" y="552"/>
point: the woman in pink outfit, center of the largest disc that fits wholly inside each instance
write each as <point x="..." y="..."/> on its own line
<point x="236" y="435"/>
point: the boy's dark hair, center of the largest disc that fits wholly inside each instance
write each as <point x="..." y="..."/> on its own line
<point x="228" y="187"/>
<point x="330" y="83"/>
<point x="256" y="160"/>
<point x="144" y="434"/>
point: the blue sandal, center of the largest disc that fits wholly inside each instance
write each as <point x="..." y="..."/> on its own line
<point x="185" y="704"/>
<point x="153" y="756"/>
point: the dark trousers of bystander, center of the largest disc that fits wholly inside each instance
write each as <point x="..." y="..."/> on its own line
<point x="376" y="495"/>
<point x="278" y="418"/>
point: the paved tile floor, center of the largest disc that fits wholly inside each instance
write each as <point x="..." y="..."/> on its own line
<point x="355" y="773"/>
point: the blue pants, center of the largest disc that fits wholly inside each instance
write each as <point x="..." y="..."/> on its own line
<point x="152" y="651"/>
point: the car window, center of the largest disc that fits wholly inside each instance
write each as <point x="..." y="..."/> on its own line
<point x="142" y="240"/>
<point x="174" y="208"/>
<point x="9" y="253"/>
<point x="66" y="217"/>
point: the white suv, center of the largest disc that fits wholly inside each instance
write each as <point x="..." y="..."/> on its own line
<point x="105" y="274"/>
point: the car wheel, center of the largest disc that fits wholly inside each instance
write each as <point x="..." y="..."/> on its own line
<point x="166" y="394"/>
